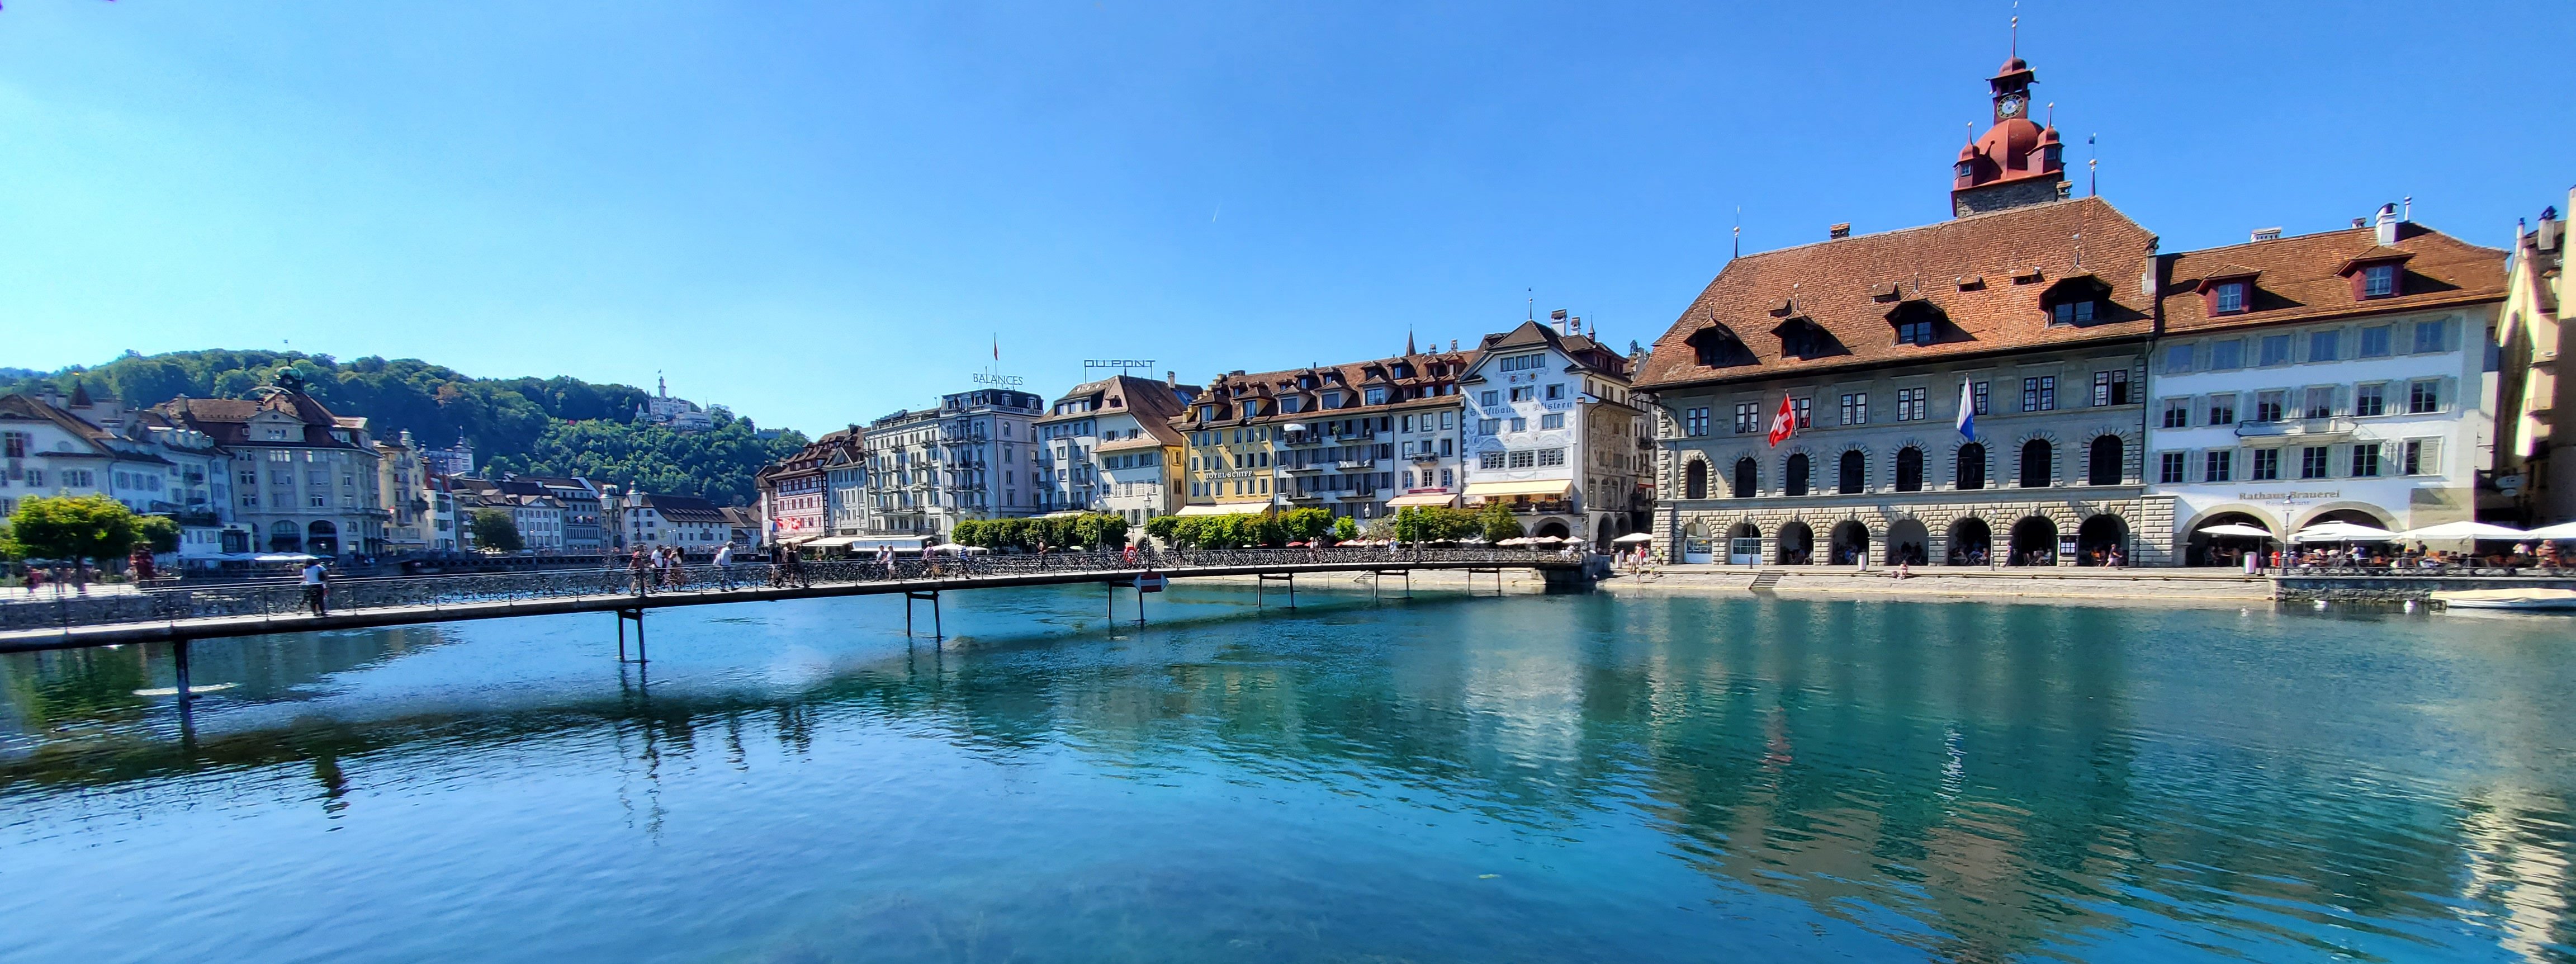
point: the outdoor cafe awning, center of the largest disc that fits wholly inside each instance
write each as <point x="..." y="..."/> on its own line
<point x="1231" y="508"/>
<point x="1505" y="490"/>
<point x="1426" y="498"/>
<point x="834" y="542"/>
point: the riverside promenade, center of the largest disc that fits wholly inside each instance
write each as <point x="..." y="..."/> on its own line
<point x="2060" y="583"/>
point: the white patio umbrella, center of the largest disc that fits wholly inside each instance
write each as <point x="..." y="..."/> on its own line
<point x="1514" y="541"/>
<point x="954" y="547"/>
<point x="1633" y="538"/>
<point x="2463" y="530"/>
<point x="2342" y="532"/>
<point x="2563" y="530"/>
<point x="2237" y="529"/>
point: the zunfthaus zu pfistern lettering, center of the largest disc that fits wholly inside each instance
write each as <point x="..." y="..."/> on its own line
<point x="2030" y="309"/>
<point x="1978" y="391"/>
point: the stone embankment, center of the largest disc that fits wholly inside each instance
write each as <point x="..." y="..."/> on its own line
<point x="2054" y="584"/>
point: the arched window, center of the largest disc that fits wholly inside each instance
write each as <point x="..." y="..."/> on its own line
<point x="1855" y="470"/>
<point x="1695" y="480"/>
<point x="1744" y="472"/>
<point x="1909" y="469"/>
<point x="2034" y="464"/>
<point x="2105" y="461"/>
<point x="1797" y="474"/>
<point x="1972" y="466"/>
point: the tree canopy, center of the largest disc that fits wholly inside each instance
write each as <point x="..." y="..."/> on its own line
<point x="542" y="426"/>
<point x="72" y="527"/>
<point x="494" y="529"/>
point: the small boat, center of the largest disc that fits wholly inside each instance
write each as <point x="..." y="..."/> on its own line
<point x="2525" y="600"/>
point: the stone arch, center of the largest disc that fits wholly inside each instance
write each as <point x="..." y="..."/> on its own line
<point x="1908" y="541"/>
<point x="2204" y="549"/>
<point x="1909" y="469"/>
<point x="2034" y="541"/>
<point x="322" y="538"/>
<point x="1695" y="477"/>
<point x="1797" y="473"/>
<point x="285" y="535"/>
<point x="1747" y="480"/>
<point x="1851" y="471"/>
<point x="2102" y="539"/>
<point x="1972" y="541"/>
<point x="1795" y="543"/>
<point x="1850" y="541"/>
<point x="1553" y="527"/>
<point x="2348" y="511"/>
<point x="1971" y="467"/>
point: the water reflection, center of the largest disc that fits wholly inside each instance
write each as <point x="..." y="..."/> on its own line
<point x="1971" y="782"/>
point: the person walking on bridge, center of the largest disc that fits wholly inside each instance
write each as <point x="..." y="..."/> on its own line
<point x="317" y="592"/>
<point x="636" y="573"/>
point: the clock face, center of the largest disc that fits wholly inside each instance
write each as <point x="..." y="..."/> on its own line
<point x="2010" y="107"/>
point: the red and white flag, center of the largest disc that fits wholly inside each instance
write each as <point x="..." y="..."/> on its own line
<point x="1783" y="424"/>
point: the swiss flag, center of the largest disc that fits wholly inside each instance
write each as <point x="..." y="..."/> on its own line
<point x="1781" y="424"/>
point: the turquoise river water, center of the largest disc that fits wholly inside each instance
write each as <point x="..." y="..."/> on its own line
<point x="1601" y="777"/>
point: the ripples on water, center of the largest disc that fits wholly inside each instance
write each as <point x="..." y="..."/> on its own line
<point x="1532" y="778"/>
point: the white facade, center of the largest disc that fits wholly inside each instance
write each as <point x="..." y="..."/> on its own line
<point x="2285" y="424"/>
<point x="1537" y="416"/>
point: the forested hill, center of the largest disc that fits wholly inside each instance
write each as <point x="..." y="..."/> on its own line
<point x="541" y="426"/>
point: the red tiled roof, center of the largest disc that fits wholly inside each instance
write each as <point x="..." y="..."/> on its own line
<point x="1230" y="391"/>
<point x="1946" y="265"/>
<point x="227" y="420"/>
<point x="2305" y="278"/>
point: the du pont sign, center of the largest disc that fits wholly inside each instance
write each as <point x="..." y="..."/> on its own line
<point x="1120" y="363"/>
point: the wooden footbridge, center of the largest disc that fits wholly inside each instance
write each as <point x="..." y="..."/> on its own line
<point x="179" y="615"/>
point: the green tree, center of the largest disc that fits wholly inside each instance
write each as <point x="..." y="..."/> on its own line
<point x="74" y="527"/>
<point x="1345" y="529"/>
<point x="161" y="531"/>
<point x="494" y="529"/>
<point x="1306" y="525"/>
<point x="1498" y="522"/>
<point x="1164" y="528"/>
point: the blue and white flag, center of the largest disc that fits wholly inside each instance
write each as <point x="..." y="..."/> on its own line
<point x="1967" y="410"/>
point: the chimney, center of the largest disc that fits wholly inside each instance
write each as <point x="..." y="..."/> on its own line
<point x="2267" y="234"/>
<point x="2545" y="237"/>
<point x="2361" y="222"/>
<point x="1556" y="320"/>
<point x="2387" y="226"/>
<point x="1171" y="377"/>
<point x="1838" y="232"/>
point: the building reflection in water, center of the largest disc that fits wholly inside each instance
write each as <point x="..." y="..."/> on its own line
<point x="1983" y="782"/>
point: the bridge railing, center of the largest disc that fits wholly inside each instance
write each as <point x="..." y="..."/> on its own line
<point x="59" y="607"/>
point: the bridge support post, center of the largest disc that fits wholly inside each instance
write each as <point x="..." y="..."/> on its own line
<point x="179" y="654"/>
<point x="623" y="616"/>
<point x="1261" y="588"/>
<point x="937" y="630"/>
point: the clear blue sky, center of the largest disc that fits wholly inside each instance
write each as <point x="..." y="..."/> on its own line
<point x="819" y="212"/>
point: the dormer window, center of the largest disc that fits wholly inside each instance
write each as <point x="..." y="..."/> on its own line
<point x="1332" y="399"/>
<point x="1800" y="338"/>
<point x="2071" y="313"/>
<point x="2379" y="281"/>
<point x="1917" y="322"/>
<point x="1376" y="396"/>
<point x="2228" y="298"/>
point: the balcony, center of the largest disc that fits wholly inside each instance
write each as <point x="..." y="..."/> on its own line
<point x="1355" y="464"/>
<point x="2322" y="429"/>
<point x="1422" y="458"/>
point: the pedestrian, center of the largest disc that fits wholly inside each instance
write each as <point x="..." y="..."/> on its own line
<point x="724" y="565"/>
<point x="636" y="574"/>
<point x="35" y="580"/>
<point x="317" y="591"/>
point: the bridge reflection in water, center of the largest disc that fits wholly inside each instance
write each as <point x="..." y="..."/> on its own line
<point x="1650" y="778"/>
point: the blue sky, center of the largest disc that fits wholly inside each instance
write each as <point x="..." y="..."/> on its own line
<point x="820" y="212"/>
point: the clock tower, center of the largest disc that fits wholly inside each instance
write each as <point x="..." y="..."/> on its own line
<point x="2016" y="162"/>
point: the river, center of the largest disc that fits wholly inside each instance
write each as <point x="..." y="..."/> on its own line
<point x="1610" y="777"/>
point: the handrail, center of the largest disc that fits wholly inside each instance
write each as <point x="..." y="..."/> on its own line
<point x="70" y="609"/>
